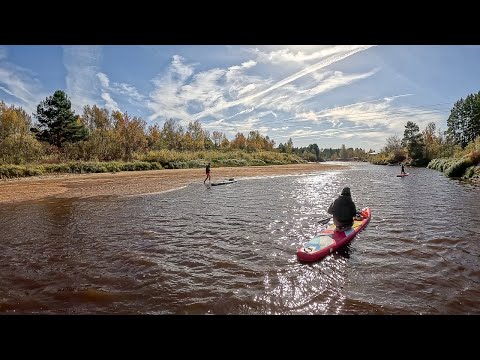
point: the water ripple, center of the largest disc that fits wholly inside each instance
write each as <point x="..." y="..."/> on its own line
<point x="232" y="249"/>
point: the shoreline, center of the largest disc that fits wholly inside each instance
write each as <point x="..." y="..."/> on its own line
<point x="138" y="182"/>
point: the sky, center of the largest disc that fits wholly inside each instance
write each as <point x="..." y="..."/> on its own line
<point x="332" y="95"/>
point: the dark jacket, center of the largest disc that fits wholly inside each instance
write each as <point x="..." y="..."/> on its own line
<point x="343" y="209"/>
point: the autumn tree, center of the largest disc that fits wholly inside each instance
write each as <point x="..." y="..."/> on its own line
<point x="154" y="137"/>
<point x="173" y="134"/>
<point x="129" y="134"/>
<point x="289" y="146"/>
<point x="394" y="149"/>
<point x="254" y="141"/>
<point x="208" y="143"/>
<point x="194" y="136"/>
<point x="13" y="121"/>
<point x="217" y="138"/>
<point x="17" y="144"/>
<point x="313" y="148"/>
<point x="413" y="141"/>
<point x="343" y="152"/>
<point x="240" y="142"/>
<point x="224" y="142"/>
<point x="268" y="144"/>
<point x="101" y="139"/>
<point x="433" y="141"/>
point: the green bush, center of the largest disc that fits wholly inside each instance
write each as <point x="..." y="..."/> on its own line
<point x="180" y="160"/>
<point x="176" y="165"/>
<point x="457" y="169"/>
<point x="57" y="168"/>
<point x="233" y="162"/>
<point x="20" y="149"/>
<point x="10" y="171"/>
<point x="153" y="160"/>
<point x="139" y="166"/>
<point x="470" y="172"/>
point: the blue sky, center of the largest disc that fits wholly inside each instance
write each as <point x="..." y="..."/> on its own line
<point x="357" y="95"/>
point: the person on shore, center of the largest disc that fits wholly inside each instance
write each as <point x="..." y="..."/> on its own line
<point x="207" y="171"/>
<point x="343" y="210"/>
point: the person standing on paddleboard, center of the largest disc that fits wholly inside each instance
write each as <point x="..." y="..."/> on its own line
<point x="403" y="169"/>
<point x="343" y="210"/>
<point x="207" y="170"/>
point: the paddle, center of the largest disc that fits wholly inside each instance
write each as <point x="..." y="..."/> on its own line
<point x="324" y="221"/>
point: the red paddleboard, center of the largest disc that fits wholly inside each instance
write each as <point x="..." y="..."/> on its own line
<point x="329" y="240"/>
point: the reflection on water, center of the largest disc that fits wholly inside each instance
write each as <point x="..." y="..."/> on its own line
<point x="232" y="249"/>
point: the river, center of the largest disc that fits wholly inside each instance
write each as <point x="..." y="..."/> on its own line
<point x="232" y="249"/>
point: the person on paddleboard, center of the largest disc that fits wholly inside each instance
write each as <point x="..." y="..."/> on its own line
<point x="403" y="170"/>
<point x="343" y="210"/>
<point x="207" y="170"/>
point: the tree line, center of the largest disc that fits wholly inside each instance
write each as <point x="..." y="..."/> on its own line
<point x="419" y="148"/>
<point x="313" y="153"/>
<point x="60" y="135"/>
<point x="100" y="135"/>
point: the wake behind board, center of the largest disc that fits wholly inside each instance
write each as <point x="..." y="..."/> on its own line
<point x="329" y="240"/>
<point x="402" y="175"/>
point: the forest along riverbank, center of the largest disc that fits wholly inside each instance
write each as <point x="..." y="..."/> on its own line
<point x="137" y="182"/>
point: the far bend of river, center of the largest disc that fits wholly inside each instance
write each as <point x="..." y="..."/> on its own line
<point x="232" y="249"/>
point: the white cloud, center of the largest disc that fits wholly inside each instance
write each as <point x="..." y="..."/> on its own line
<point x="391" y="98"/>
<point x="182" y="94"/>
<point x="250" y="124"/>
<point x="247" y="88"/>
<point x="244" y="65"/>
<point x="249" y="95"/>
<point x="335" y="57"/>
<point x="128" y="90"/>
<point x="310" y="115"/>
<point x="164" y="99"/>
<point x="295" y="97"/>
<point x="15" y="85"/>
<point x="9" y="92"/>
<point x="124" y="91"/>
<point x="368" y="122"/>
<point x="104" y="80"/>
<point x="110" y="104"/>
<point x="284" y="128"/>
<point x="242" y="112"/>
<point x="21" y="84"/>
<point x="180" y="69"/>
<point x="288" y="55"/>
<point x="179" y="92"/>
<point x="336" y="80"/>
<point x="245" y="126"/>
<point x="82" y="64"/>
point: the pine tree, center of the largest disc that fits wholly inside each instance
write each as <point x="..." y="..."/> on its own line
<point x="57" y="123"/>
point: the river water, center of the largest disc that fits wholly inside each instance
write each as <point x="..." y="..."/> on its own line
<point x="232" y="249"/>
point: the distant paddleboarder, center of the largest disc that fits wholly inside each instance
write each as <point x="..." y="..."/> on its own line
<point x="403" y="170"/>
<point x="207" y="171"/>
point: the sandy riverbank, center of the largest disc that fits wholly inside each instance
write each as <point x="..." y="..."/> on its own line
<point x="137" y="182"/>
